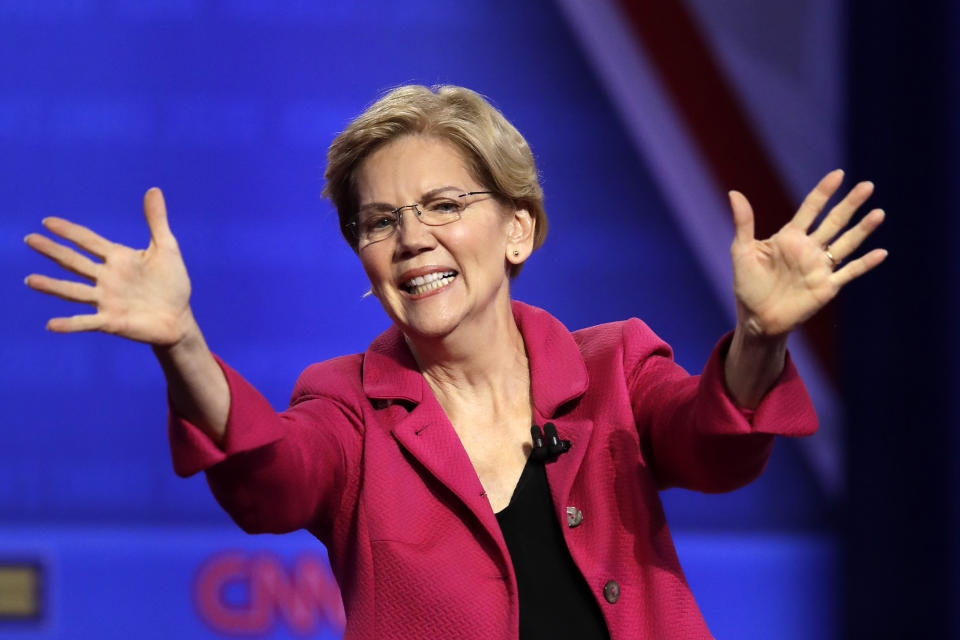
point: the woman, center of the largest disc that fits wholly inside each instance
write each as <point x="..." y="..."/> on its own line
<point x="414" y="462"/>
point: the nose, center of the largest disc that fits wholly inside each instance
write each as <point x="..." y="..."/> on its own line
<point x="413" y="237"/>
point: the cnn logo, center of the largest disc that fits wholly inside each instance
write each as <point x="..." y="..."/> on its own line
<point x="244" y="593"/>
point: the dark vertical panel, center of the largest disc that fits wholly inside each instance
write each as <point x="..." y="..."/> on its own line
<point x="900" y="326"/>
<point x="954" y="297"/>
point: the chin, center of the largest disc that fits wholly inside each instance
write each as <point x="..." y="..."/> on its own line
<point x="430" y="326"/>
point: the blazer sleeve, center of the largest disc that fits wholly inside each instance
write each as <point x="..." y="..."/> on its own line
<point x="692" y="432"/>
<point x="277" y="471"/>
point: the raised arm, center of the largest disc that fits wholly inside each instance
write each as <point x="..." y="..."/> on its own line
<point x="143" y="295"/>
<point x="714" y="432"/>
<point x="783" y="280"/>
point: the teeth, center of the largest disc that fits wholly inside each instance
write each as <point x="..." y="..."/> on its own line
<point x="429" y="282"/>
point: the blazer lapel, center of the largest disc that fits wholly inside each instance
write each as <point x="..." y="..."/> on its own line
<point x="430" y="438"/>
<point x="562" y="471"/>
<point x="390" y="373"/>
<point x="558" y="376"/>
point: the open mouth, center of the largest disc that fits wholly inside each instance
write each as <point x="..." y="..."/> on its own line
<point x="427" y="283"/>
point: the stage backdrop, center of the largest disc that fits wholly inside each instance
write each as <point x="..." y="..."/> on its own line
<point x="229" y="107"/>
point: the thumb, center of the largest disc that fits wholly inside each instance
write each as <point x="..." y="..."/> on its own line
<point x="742" y="217"/>
<point x="155" y="211"/>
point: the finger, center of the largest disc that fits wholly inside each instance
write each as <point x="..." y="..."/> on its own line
<point x="815" y="201"/>
<point x="840" y="215"/>
<point x="62" y="255"/>
<point x="79" y="235"/>
<point x="856" y="268"/>
<point x="852" y="238"/>
<point x="155" y="211"/>
<point x="66" y="289"/>
<point x="86" y="322"/>
<point x="742" y="217"/>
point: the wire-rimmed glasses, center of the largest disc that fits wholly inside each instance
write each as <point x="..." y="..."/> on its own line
<point x="376" y="223"/>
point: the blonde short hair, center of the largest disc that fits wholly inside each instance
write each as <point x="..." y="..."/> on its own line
<point x="494" y="151"/>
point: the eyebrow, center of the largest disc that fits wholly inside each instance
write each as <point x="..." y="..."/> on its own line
<point x="386" y="206"/>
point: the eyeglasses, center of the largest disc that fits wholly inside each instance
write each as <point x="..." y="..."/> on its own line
<point x="437" y="210"/>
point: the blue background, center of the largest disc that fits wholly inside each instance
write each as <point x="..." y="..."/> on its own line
<point x="229" y="107"/>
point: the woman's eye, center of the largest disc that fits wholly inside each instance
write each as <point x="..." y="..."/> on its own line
<point x="444" y="206"/>
<point x="380" y="222"/>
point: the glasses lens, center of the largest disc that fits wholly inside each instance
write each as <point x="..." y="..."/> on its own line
<point x="440" y="211"/>
<point x="375" y="226"/>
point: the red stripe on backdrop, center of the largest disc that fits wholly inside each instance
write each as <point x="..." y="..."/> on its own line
<point x="685" y="65"/>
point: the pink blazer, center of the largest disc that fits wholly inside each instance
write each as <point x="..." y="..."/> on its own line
<point x="366" y="460"/>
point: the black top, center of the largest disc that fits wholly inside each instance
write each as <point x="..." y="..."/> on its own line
<point x="555" y="600"/>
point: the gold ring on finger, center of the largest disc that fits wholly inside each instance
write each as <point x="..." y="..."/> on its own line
<point x="833" y="261"/>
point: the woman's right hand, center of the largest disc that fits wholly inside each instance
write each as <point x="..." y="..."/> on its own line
<point x="141" y="294"/>
<point x="144" y="295"/>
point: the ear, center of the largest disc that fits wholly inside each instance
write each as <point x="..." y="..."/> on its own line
<point x="520" y="236"/>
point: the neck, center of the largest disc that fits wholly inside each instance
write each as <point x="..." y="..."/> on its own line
<point x="484" y="361"/>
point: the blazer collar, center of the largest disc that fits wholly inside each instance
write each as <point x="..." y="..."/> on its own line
<point x="557" y="371"/>
<point x="389" y="369"/>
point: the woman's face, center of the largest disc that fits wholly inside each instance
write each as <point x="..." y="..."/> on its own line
<point x="463" y="264"/>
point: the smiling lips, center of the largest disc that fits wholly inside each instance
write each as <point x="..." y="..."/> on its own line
<point x="427" y="283"/>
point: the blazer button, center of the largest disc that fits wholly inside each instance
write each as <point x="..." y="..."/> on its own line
<point x="611" y="591"/>
<point x="574" y="517"/>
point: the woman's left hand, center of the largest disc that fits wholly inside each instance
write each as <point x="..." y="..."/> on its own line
<point x="783" y="280"/>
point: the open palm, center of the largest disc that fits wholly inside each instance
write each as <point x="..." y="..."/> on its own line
<point x="141" y="294"/>
<point x="783" y="280"/>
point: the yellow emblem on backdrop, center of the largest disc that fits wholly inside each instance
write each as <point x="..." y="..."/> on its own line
<point x="20" y="588"/>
